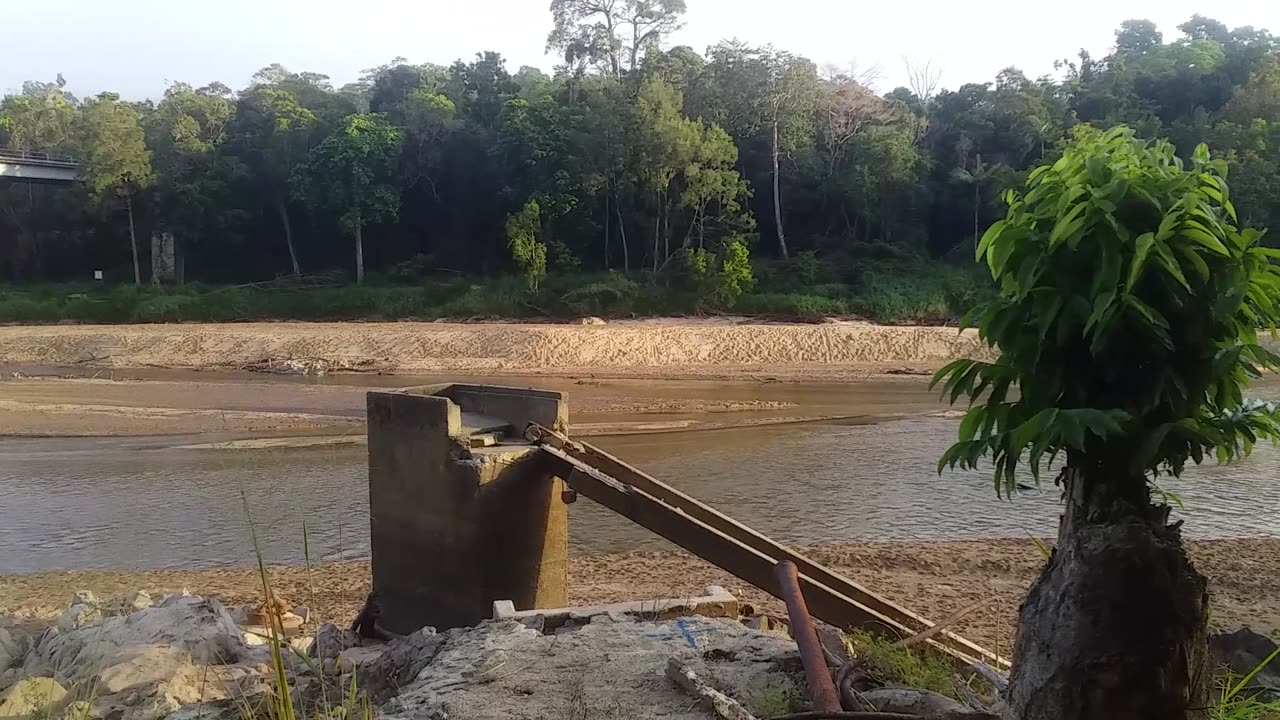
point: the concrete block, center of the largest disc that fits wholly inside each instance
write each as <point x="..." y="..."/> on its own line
<point x="454" y="527"/>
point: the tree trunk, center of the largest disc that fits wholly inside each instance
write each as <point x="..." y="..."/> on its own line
<point x="777" y="196"/>
<point x="657" y="234"/>
<point x="133" y="242"/>
<point x="607" y="218"/>
<point x="622" y="235"/>
<point x="1115" y="627"/>
<point x="359" y="250"/>
<point x="283" y="209"/>
<point x="977" y="200"/>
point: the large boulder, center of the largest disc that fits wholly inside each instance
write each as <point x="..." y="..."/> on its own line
<point x="200" y="628"/>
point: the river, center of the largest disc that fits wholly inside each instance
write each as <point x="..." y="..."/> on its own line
<point x="147" y="502"/>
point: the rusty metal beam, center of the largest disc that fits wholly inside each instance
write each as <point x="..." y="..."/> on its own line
<point x="874" y="612"/>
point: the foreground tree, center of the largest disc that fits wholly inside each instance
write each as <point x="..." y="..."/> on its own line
<point x="114" y="157"/>
<point x="1128" y="321"/>
<point x="352" y="175"/>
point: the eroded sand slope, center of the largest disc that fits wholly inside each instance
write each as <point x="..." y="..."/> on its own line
<point x="689" y="346"/>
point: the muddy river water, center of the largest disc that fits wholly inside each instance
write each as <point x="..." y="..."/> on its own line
<point x="147" y="502"/>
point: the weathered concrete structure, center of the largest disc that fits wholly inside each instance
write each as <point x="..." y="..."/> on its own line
<point x="462" y="510"/>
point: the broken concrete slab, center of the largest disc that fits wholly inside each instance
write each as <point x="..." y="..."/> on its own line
<point x="606" y="669"/>
<point x="715" y="602"/>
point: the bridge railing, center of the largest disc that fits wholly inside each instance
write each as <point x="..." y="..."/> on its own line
<point x="36" y="156"/>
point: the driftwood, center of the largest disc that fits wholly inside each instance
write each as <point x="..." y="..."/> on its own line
<point x="722" y="705"/>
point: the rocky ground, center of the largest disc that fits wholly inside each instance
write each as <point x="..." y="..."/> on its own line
<point x="934" y="579"/>
<point x="186" y="657"/>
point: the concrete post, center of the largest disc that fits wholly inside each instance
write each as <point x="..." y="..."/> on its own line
<point x="454" y="527"/>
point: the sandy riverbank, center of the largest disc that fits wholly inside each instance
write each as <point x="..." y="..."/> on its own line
<point x="932" y="578"/>
<point x="643" y="348"/>
<point x="292" y="410"/>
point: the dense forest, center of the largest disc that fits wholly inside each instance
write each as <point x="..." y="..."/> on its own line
<point x="737" y="170"/>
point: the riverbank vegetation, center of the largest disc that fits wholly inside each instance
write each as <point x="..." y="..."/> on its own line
<point x="891" y="293"/>
<point x="636" y="178"/>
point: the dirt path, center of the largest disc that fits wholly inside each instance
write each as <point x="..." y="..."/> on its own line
<point x="666" y="348"/>
<point x="932" y="578"/>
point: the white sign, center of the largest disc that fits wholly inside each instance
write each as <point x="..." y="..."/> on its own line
<point x="97" y="274"/>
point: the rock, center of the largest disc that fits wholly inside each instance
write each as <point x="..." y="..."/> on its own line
<point x="357" y="657"/>
<point x="174" y="598"/>
<point x="592" y="321"/>
<point x="199" y="627"/>
<point x="130" y="603"/>
<point x="216" y="710"/>
<point x="30" y="696"/>
<point x="85" y="597"/>
<point x="399" y="664"/>
<point x="78" y="710"/>
<point x="157" y="681"/>
<point x="910" y="701"/>
<point x="1244" y="650"/>
<point x="142" y="666"/>
<point x="78" y="616"/>
<point x="332" y="640"/>
<point x="10" y="651"/>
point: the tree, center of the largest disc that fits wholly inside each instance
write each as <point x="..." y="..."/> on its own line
<point x="529" y="253"/>
<point x="40" y="119"/>
<point x="1128" y="320"/>
<point x="269" y="134"/>
<point x="598" y="32"/>
<point x="193" y="177"/>
<point x="978" y="177"/>
<point x="114" y="158"/>
<point x="1136" y="37"/>
<point x="352" y="175"/>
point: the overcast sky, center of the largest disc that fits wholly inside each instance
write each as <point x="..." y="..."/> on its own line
<point x="138" y="47"/>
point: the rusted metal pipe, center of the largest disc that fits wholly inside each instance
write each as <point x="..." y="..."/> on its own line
<point x="821" y="689"/>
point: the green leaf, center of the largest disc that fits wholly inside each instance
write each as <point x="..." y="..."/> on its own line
<point x="1204" y="238"/>
<point x="1143" y="245"/>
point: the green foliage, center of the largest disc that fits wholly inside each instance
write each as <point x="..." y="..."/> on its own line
<point x="922" y="668"/>
<point x="352" y="172"/>
<point x="719" y="279"/>
<point x="634" y="152"/>
<point x="529" y="253"/>
<point x="1128" y="317"/>
<point x="113" y="153"/>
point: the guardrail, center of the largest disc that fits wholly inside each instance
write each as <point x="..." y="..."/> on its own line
<point x="33" y="156"/>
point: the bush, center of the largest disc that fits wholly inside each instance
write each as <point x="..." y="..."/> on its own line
<point x="805" y="307"/>
<point x="612" y="296"/>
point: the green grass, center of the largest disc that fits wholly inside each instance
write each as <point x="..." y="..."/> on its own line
<point x="890" y="293"/>
<point x="922" y="668"/>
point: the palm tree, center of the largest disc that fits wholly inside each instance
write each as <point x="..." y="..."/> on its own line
<point x="978" y="177"/>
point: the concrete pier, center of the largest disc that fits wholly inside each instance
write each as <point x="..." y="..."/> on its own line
<point x="463" y="511"/>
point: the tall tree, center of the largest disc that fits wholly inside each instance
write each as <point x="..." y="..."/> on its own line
<point x="114" y="157"/>
<point x="602" y="32"/>
<point x="352" y="174"/>
<point x="269" y="134"/>
<point x="193" y="177"/>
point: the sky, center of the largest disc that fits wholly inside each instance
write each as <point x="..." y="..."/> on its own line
<point x="138" y="47"/>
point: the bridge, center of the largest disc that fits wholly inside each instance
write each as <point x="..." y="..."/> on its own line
<point x="37" y="167"/>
